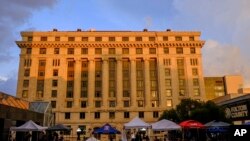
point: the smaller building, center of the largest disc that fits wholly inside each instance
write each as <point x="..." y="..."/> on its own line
<point x="221" y="86"/>
<point x="15" y="112"/>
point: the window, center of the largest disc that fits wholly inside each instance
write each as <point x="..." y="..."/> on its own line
<point x="98" y="50"/>
<point x="126" y="83"/>
<point x="191" y="38"/>
<point x="196" y="82"/>
<point x="57" y="38"/>
<point x="166" y="50"/>
<point x="139" y="84"/>
<point x="194" y="71"/>
<point x="98" y="83"/>
<point x="54" y="83"/>
<point x="84" y="50"/>
<point x="27" y="72"/>
<point x="85" y="39"/>
<point x="98" y="94"/>
<point x="98" y="39"/>
<point x="154" y="103"/>
<point x="84" y="84"/>
<point x="165" y="38"/>
<point x="42" y="51"/>
<point x="25" y="93"/>
<point x="192" y="50"/>
<point x="30" y="38"/>
<point x="196" y="92"/>
<point x="138" y="38"/>
<point x="69" y="104"/>
<point x="41" y="73"/>
<point x="179" y="50"/>
<point x="112" y="103"/>
<point x="140" y="103"/>
<point x="82" y="115"/>
<point x="181" y="72"/>
<point x="97" y="115"/>
<point x="70" y="50"/>
<point x="25" y="83"/>
<point x="125" y="103"/>
<point x="83" y="104"/>
<point x="168" y="82"/>
<point x="178" y="38"/>
<point x="44" y="38"/>
<point x="111" y="115"/>
<point x="167" y="62"/>
<point x="193" y="62"/>
<point x="67" y="115"/>
<point x="97" y="104"/>
<point x="125" y="51"/>
<point x="71" y="39"/>
<point x="56" y="50"/>
<point x="84" y="74"/>
<point x="55" y="72"/>
<point x="54" y="93"/>
<point x="180" y="62"/>
<point x="152" y="50"/>
<point x="42" y="63"/>
<point x="181" y="92"/>
<point x="69" y="94"/>
<point x="56" y="62"/>
<point x="139" y="51"/>
<point x="141" y="114"/>
<point x="71" y="74"/>
<point x="111" y="38"/>
<point x="126" y="114"/>
<point x="167" y="72"/>
<point x="153" y="84"/>
<point x="151" y="38"/>
<point x="53" y="104"/>
<point x="155" y="114"/>
<point x="126" y="93"/>
<point x="168" y="92"/>
<point x="125" y="38"/>
<point x="111" y="50"/>
<point x="84" y="94"/>
<point x="140" y="93"/>
<point x="27" y="62"/>
<point x="181" y="82"/>
<point x="28" y="50"/>
<point x="169" y="103"/>
<point x="71" y="64"/>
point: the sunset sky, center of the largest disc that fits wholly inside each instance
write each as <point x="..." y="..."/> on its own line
<point x="224" y="24"/>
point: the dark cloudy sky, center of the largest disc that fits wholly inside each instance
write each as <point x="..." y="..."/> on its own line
<point x="225" y="25"/>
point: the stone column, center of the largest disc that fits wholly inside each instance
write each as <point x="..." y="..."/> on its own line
<point x="161" y="80"/>
<point x="91" y="82"/>
<point x="119" y="82"/>
<point x="133" y="82"/>
<point x="77" y="82"/>
<point x="105" y="82"/>
<point x="147" y="82"/>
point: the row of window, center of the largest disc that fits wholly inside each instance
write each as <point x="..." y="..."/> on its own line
<point x="182" y="92"/>
<point x="112" y="38"/>
<point x="71" y="51"/>
<point x="97" y="115"/>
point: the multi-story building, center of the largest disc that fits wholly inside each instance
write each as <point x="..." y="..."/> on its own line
<point x="221" y="86"/>
<point x="95" y="77"/>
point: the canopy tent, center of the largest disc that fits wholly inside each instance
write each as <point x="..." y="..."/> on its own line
<point x="59" y="127"/>
<point x="247" y="123"/>
<point x="28" y="126"/>
<point x="136" y="123"/>
<point x="215" y="123"/>
<point x="106" y="129"/>
<point x="191" y="124"/>
<point x="164" y="125"/>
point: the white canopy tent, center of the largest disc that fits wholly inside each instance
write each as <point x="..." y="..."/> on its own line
<point x="136" y="123"/>
<point x="165" y="125"/>
<point x="28" y="126"/>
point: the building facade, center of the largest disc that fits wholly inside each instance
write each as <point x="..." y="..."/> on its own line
<point x="225" y="85"/>
<point x="95" y="77"/>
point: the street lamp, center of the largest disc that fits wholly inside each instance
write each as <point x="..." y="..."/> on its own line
<point x="78" y="131"/>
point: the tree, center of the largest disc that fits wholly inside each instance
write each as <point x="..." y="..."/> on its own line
<point x="196" y="110"/>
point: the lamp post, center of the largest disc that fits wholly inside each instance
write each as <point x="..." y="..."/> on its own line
<point x="78" y="131"/>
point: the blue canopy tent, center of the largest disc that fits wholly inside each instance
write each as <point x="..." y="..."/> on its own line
<point x="106" y="129"/>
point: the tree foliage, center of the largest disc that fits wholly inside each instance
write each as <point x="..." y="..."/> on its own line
<point x="196" y="110"/>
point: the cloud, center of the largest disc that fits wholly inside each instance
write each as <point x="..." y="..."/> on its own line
<point x="15" y="13"/>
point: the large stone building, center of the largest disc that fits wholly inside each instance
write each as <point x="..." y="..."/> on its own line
<point x="94" y="77"/>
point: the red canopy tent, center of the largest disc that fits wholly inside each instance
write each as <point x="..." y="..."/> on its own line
<point x="191" y="124"/>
